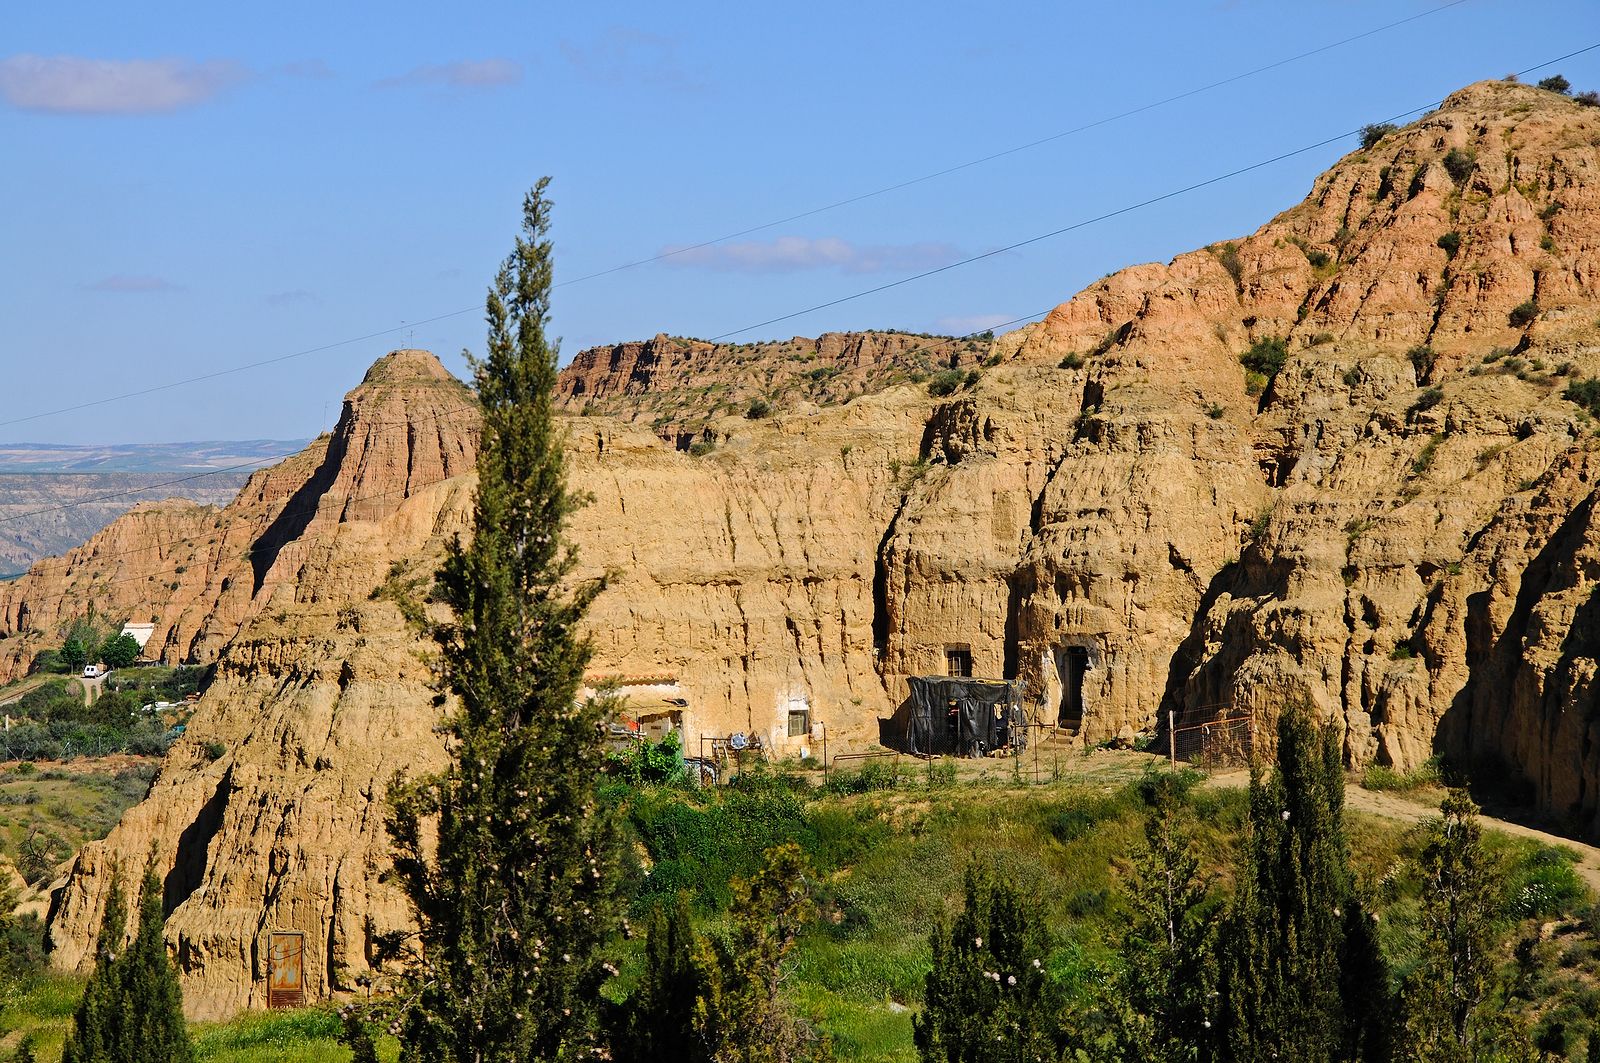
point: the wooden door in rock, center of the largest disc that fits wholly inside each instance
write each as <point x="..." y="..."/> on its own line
<point x="286" y="986"/>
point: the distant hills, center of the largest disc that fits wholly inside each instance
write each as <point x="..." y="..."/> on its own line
<point x="142" y="457"/>
<point x="55" y="496"/>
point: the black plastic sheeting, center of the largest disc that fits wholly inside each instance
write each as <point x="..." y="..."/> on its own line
<point x="964" y="717"/>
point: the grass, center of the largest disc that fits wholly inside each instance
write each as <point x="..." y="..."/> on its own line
<point x="64" y="807"/>
<point x="890" y="862"/>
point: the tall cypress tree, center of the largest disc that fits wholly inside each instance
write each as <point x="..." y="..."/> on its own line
<point x="516" y="898"/>
<point x="1445" y="996"/>
<point x="132" y="1008"/>
<point x="1280" y="992"/>
<point x="1158" y="1001"/>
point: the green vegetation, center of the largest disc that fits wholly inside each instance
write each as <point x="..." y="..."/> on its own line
<point x="1381" y="777"/>
<point x="1585" y="393"/>
<point x="131" y="1010"/>
<point x="46" y="815"/>
<point x="523" y="983"/>
<point x="1556" y="83"/>
<point x="1371" y="134"/>
<point x="1072" y="360"/>
<point x="1524" y="314"/>
<point x="1450" y="242"/>
<point x="949" y="381"/>
<point x="758" y="408"/>
<point x="1459" y="164"/>
<point x="1262" y="362"/>
<point x="1430" y="449"/>
<point x="1422" y="361"/>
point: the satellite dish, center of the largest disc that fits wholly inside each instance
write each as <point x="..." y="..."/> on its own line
<point x="738" y="740"/>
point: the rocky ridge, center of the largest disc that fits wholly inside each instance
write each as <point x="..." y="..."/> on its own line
<point x="1395" y="527"/>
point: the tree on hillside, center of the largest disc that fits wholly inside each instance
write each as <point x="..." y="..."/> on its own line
<point x="132" y="1008"/>
<point x="987" y="998"/>
<point x="720" y="1000"/>
<point x="1445" y="998"/>
<point x="514" y="897"/>
<point x="1158" y="1001"/>
<point x="119" y="651"/>
<point x="1280" y="991"/>
<point x="74" y="655"/>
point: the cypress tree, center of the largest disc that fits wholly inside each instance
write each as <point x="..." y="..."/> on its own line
<point x="664" y="1019"/>
<point x="515" y="898"/>
<point x="1280" y="993"/>
<point x="1446" y="995"/>
<point x="987" y="998"/>
<point x="1159" y="999"/>
<point x="132" y="1008"/>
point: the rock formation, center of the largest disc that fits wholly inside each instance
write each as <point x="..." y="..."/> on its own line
<point x="1394" y="526"/>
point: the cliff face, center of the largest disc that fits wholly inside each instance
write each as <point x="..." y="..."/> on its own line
<point x="1396" y="528"/>
<point x="678" y="386"/>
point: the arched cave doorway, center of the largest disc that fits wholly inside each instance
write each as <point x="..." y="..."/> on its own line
<point x="1074" y="663"/>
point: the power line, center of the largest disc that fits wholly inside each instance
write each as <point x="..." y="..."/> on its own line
<point x="1103" y="217"/>
<point x="1002" y="153"/>
<point x="860" y="197"/>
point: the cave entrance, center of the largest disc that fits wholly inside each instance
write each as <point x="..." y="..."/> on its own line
<point x="1074" y="663"/>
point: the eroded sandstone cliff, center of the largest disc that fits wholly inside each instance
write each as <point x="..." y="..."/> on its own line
<point x="1397" y="527"/>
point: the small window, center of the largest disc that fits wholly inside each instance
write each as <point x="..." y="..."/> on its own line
<point x="799" y="722"/>
<point x="958" y="662"/>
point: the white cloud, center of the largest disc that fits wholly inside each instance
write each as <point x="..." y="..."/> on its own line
<point x="133" y="284"/>
<point x="963" y="326"/>
<point x="465" y="74"/>
<point x="791" y="254"/>
<point x="69" y="84"/>
<point x="623" y="56"/>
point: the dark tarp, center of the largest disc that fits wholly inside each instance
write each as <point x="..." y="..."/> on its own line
<point x="966" y="717"/>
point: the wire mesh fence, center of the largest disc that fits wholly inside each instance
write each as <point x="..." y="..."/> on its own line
<point x="1220" y="740"/>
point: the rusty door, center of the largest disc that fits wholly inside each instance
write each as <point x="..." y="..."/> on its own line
<point x="286" y="985"/>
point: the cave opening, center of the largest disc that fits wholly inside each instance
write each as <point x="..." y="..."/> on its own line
<point x="1074" y="663"/>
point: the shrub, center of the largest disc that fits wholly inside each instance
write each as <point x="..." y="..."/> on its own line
<point x="1556" y="83"/>
<point x="1254" y="383"/>
<point x="215" y="750"/>
<point x="1266" y="357"/>
<point x="1215" y="411"/>
<point x="1352" y="376"/>
<point x="946" y="382"/>
<point x="701" y="447"/>
<point x="1524" y="313"/>
<point x="1450" y="242"/>
<point x="1459" y="164"/>
<point x="1073" y="360"/>
<point x="1422" y="360"/>
<point x="758" y="408"/>
<point x="1428" y="399"/>
<point x="1382" y="777"/>
<point x="1371" y="134"/>
<point x="1318" y="259"/>
<point x="1587" y="99"/>
<point x="1321" y="338"/>
<point x="1229" y="257"/>
<point x="1585" y="393"/>
<point x="1547" y="242"/>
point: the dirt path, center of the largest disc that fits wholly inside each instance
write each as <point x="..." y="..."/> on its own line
<point x="1392" y="806"/>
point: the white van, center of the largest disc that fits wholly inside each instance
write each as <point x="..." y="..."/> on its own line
<point x="91" y="671"/>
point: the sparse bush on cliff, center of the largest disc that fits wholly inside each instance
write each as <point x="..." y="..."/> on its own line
<point x="948" y="382"/>
<point x="1450" y="242"/>
<point x="1262" y="362"/>
<point x="1585" y="393"/>
<point x="1524" y="314"/>
<point x="1459" y="164"/>
<point x="1556" y="83"/>
<point x="1371" y="134"/>
<point x="758" y="409"/>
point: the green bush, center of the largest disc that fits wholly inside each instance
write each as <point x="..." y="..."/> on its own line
<point x="1459" y="164"/>
<point x="1383" y="777"/>
<point x="1450" y="242"/>
<point x="1428" y="399"/>
<point x="1524" y="313"/>
<point x="1073" y="360"/>
<point x="1587" y="99"/>
<point x="1266" y="356"/>
<point x="1556" y="83"/>
<point x="946" y="382"/>
<point x="1585" y="393"/>
<point x="758" y="408"/>
<point x="1371" y="134"/>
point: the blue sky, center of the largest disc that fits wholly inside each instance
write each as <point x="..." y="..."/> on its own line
<point x="192" y="186"/>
